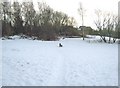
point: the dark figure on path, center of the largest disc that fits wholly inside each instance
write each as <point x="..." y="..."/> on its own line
<point x="60" y="45"/>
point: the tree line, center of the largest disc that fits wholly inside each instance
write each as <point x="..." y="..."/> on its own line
<point x="44" y="23"/>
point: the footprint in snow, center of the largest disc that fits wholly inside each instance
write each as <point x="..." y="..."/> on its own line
<point x="28" y="63"/>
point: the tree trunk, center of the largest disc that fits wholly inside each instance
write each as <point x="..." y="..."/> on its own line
<point x="109" y="39"/>
<point x="114" y="40"/>
<point x="104" y="39"/>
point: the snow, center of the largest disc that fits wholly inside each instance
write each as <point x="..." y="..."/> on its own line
<point x="42" y="63"/>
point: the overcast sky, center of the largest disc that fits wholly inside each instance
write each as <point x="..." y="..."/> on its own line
<point x="70" y="7"/>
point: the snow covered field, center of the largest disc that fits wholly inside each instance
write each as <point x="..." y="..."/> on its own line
<point x="42" y="63"/>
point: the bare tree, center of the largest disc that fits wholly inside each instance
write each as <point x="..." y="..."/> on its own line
<point x="71" y="21"/>
<point x="82" y="11"/>
<point x="6" y="18"/>
<point x="101" y="23"/>
<point x="29" y="16"/>
<point x="17" y="18"/>
<point x="106" y="24"/>
<point x="116" y="30"/>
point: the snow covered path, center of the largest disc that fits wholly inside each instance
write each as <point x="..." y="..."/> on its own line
<point x="41" y="63"/>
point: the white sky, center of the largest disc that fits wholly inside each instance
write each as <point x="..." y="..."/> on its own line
<point x="70" y="7"/>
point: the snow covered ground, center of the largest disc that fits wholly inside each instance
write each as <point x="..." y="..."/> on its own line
<point x="42" y="63"/>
